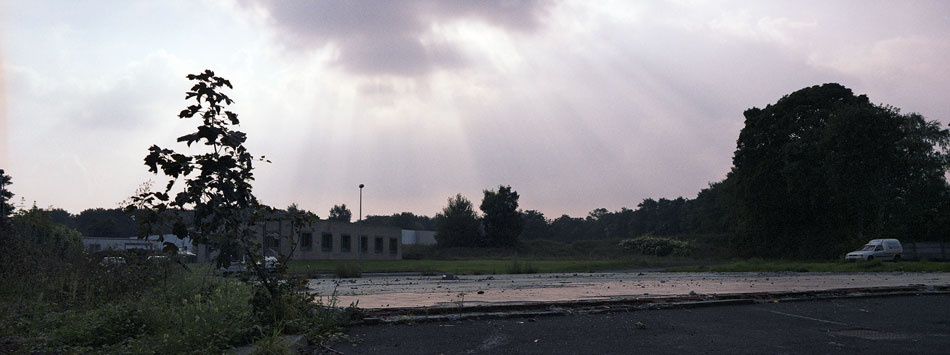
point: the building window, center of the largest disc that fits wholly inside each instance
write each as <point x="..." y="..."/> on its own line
<point x="327" y="243"/>
<point x="345" y="243"/>
<point x="393" y="246"/>
<point x="378" y="245"/>
<point x="272" y="240"/>
<point x="306" y="241"/>
<point x="95" y="247"/>
<point x="363" y="247"/>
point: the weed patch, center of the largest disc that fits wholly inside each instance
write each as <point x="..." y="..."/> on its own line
<point x="348" y="270"/>
<point x="800" y="266"/>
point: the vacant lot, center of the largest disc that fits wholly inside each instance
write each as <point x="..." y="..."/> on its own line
<point x="458" y="291"/>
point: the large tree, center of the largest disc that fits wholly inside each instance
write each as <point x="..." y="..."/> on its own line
<point x="6" y="208"/>
<point x="503" y="222"/>
<point x="822" y="169"/>
<point x="458" y="225"/>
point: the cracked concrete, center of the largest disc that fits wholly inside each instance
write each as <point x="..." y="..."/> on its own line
<point x="381" y="292"/>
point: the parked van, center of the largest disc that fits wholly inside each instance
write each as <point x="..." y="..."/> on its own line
<point x="270" y="264"/>
<point x="878" y="249"/>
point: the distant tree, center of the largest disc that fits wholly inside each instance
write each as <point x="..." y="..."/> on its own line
<point x="61" y="216"/>
<point x="713" y="209"/>
<point x="109" y="223"/>
<point x="6" y="207"/>
<point x="458" y="225"/>
<point x="536" y="226"/>
<point x="567" y="228"/>
<point x="37" y="228"/>
<point x="503" y="223"/>
<point x="403" y="220"/>
<point x="340" y="213"/>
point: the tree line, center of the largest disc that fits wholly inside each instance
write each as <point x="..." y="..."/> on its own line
<point x="815" y="174"/>
<point x="818" y="172"/>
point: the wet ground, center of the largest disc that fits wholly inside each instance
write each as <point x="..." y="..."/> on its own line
<point x="380" y="292"/>
<point x="879" y="325"/>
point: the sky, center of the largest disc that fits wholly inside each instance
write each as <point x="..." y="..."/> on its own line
<point x="576" y="105"/>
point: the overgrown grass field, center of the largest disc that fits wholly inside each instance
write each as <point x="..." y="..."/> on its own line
<point x="802" y="266"/>
<point x="465" y="267"/>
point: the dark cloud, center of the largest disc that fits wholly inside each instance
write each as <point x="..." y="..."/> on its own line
<point x="390" y="37"/>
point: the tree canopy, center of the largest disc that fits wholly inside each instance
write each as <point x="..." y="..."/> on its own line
<point x="502" y="221"/>
<point x="340" y="213"/>
<point x="822" y="169"/>
<point x="213" y="186"/>
<point x="403" y="220"/>
<point x="6" y="208"/>
<point x="458" y="225"/>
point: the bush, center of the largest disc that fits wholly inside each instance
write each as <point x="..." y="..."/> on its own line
<point x="659" y="246"/>
<point x="518" y="267"/>
<point x="348" y="271"/>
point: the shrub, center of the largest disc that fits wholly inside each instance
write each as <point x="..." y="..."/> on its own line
<point x="518" y="267"/>
<point x="348" y="271"/>
<point x="659" y="246"/>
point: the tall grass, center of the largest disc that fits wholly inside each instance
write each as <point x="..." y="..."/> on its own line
<point x="799" y="266"/>
<point x="469" y="267"/>
<point x="69" y="301"/>
<point x="348" y="270"/>
<point x="521" y="267"/>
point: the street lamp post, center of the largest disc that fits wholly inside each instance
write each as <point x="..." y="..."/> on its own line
<point x="359" y="232"/>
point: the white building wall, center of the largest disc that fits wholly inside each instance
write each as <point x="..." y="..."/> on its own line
<point x="418" y="237"/>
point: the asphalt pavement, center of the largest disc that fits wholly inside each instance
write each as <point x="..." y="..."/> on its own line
<point x="877" y="325"/>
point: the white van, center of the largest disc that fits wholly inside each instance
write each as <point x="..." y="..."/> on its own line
<point x="239" y="266"/>
<point x="878" y="249"/>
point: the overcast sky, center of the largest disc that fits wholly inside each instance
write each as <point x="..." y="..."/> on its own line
<point x="575" y="104"/>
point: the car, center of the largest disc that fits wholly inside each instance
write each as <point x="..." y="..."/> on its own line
<point x="113" y="260"/>
<point x="157" y="258"/>
<point x="236" y="266"/>
<point x="269" y="264"/>
<point x="878" y="249"/>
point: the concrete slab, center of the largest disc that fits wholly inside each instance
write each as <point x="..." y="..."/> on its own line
<point x="486" y="290"/>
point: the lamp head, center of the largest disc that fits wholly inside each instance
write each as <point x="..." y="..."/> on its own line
<point x="361" y="186"/>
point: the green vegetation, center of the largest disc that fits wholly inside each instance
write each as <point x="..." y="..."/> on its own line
<point x="521" y="267"/>
<point x="823" y="170"/>
<point x="184" y="313"/>
<point x="57" y="298"/>
<point x="340" y="213"/>
<point x="530" y="249"/>
<point x="458" y="225"/>
<point x="758" y="265"/>
<point x="659" y="246"/>
<point x="469" y="267"/>
<point x="348" y="270"/>
<point x="501" y="219"/>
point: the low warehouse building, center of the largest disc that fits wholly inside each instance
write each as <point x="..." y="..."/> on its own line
<point x="324" y="240"/>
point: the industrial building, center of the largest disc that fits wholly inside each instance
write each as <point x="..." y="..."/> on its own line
<point x="94" y="244"/>
<point x="323" y="240"/>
